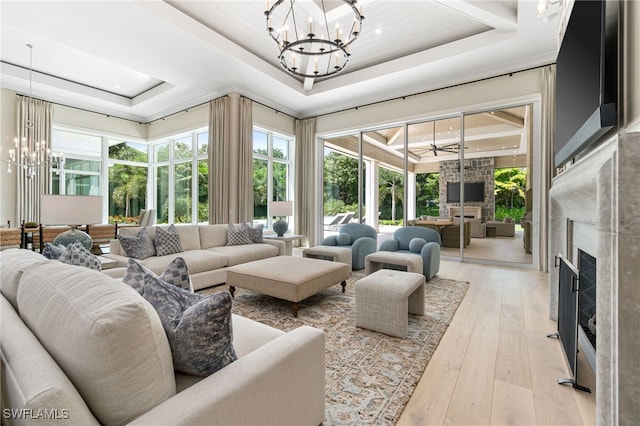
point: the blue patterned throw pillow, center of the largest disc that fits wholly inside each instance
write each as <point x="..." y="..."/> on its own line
<point x="52" y="251"/>
<point x="175" y="273"/>
<point x="199" y="328"/>
<point x="255" y="232"/>
<point x="168" y="241"/>
<point x="76" y="254"/>
<point x="139" y="246"/>
<point x="238" y="235"/>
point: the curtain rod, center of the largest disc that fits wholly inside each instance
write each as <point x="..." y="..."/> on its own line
<point x="430" y="91"/>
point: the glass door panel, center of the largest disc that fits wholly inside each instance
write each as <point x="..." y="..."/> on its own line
<point x="497" y="153"/>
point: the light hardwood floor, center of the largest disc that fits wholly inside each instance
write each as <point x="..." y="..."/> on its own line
<point x="495" y="365"/>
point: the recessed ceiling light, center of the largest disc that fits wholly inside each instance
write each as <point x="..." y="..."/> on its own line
<point x="117" y="86"/>
<point x="503" y="147"/>
<point x="378" y="31"/>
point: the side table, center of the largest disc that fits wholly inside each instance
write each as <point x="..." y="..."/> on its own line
<point x="107" y="263"/>
<point x="288" y="241"/>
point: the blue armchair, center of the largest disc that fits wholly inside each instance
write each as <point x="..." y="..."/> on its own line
<point x="361" y="239"/>
<point x="420" y="241"/>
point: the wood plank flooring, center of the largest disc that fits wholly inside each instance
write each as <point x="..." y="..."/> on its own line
<point x="495" y="365"/>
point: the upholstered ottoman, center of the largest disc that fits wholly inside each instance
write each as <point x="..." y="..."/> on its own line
<point x="385" y="298"/>
<point x="337" y="254"/>
<point x="377" y="260"/>
<point x="288" y="277"/>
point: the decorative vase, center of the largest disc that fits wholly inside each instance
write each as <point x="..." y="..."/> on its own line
<point x="73" y="235"/>
<point x="280" y="227"/>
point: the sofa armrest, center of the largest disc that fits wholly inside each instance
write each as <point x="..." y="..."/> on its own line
<point x="280" y="245"/>
<point x="389" y="245"/>
<point x="280" y="383"/>
<point x="115" y="247"/>
<point x="360" y="249"/>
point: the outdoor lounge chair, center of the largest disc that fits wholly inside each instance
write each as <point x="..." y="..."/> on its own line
<point x="336" y="221"/>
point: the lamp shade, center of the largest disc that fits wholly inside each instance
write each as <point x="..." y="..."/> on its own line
<point x="281" y="208"/>
<point x="70" y="209"/>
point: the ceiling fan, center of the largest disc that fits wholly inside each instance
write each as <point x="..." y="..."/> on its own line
<point x="453" y="148"/>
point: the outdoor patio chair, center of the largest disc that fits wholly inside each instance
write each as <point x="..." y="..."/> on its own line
<point x="336" y="220"/>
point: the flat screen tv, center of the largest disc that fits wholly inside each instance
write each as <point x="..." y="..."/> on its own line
<point x="586" y="78"/>
<point x="473" y="192"/>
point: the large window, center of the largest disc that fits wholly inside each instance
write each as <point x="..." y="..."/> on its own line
<point x="181" y="170"/>
<point x="81" y="173"/>
<point x="128" y="166"/>
<point x="272" y="167"/>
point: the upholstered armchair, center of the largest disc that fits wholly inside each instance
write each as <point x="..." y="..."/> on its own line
<point x="360" y="238"/>
<point x="421" y="241"/>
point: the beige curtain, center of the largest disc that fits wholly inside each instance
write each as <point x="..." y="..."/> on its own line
<point x="245" y="162"/>
<point x="546" y="160"/>
<point x="33" y="126"/>
<point x="219" y="165"/>
<point x="306" y="169"/>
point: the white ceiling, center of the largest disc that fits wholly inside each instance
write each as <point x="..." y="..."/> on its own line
<point x="143" y="60"/>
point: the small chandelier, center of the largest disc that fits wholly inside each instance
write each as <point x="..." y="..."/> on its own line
<point x="312" y="46"/>
<point x="27" y="153"/>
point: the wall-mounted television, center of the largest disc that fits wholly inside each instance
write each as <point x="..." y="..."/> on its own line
<point x="473" y="192"/>
<point x="586" y="78"/>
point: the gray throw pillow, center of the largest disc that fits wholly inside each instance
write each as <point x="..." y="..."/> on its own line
<point x="76" y="254"/>
<point x="51" y="251"/>
<point x="139" y="246"/>
<point x="255" y="232"/>
<point x="168" y="241"/>
<point x="175" y="273"/>
<point x="199" y="328"/>
<point x="238" y="235"/>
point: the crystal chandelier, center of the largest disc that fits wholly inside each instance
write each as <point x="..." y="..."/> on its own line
<point x="313" y="42"/>
<point x="28" y="153"/>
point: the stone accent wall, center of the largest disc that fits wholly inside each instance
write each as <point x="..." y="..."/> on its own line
<point x="475" y="170"/>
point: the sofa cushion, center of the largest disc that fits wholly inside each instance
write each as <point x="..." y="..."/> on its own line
<point x="189" y="237"/>
<point x="212" y="235"/>
<point x="31" y="378"/>
<point x="106" y="338"/>
<point x="175" y="273"/>
<point x="167" y="241"/>
<point x="247" y="253"/>
<point x="76" y="254"/>
<point x="138" y="246"/>
<point x="13" y="263"/>
<point x="197" y="261"/>
<point x="199" y="328"/>
<point x="238" y="235"/>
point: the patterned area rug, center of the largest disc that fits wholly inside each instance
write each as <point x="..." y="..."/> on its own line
<point x="370" y="376"/>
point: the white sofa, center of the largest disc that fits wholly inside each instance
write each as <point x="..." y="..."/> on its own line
<point x="80" y="348"/>
<point x="205" y="252"/>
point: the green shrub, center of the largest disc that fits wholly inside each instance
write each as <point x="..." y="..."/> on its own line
<point x="516" y="213"/>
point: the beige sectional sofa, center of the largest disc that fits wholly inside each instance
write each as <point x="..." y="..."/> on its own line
<point x="204" y="250"/>
<point x="81" y="348"/>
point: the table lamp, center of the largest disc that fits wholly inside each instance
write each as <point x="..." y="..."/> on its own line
<point x="72" y="210"/>
<point x="281" y="209"/>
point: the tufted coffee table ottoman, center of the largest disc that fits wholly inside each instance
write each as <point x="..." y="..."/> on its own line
<point x="288" y="277"/>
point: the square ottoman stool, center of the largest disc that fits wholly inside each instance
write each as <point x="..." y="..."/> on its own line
<point x="385" y="298"/>
<point x="336" y="254"/>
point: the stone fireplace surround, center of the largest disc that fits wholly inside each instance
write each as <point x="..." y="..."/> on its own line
<point x="598" y="195"/>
